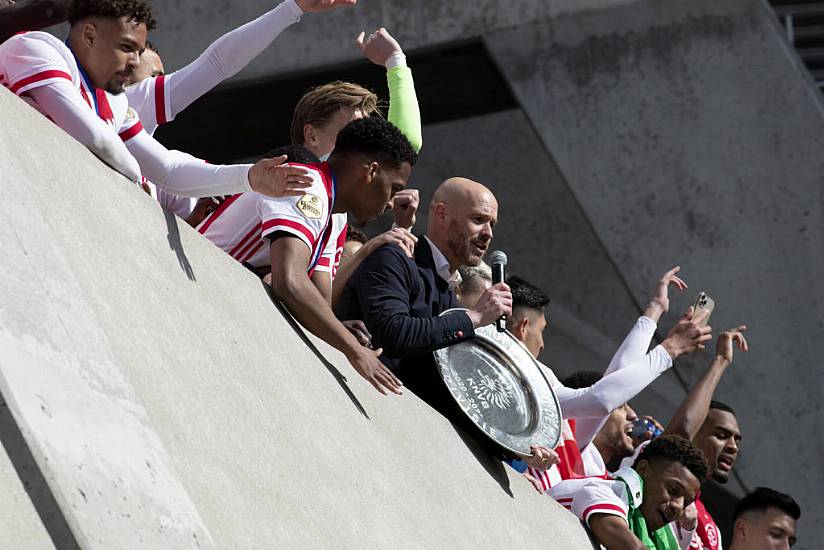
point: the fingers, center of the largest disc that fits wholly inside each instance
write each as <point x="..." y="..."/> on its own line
<point x="701" y="316"/>
<point x="389" y="381"/>
<point x="359" y="40"/>
<point x="688" y="314"/>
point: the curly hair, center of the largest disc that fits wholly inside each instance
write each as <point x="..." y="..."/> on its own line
<point x="763" y="498"/>
<point x="294" y="153"/>
<point x="378" y="140"/>
<point x="139" y="11"/>
<point x="675" y="448"/>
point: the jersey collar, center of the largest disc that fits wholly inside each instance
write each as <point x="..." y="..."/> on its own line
<point x="635" y="484"/>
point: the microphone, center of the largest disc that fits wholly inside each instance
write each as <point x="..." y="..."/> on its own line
<point x="497" y="260"/>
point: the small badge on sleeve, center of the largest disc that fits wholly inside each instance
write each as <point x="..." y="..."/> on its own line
<point x="311" y="206"/>
<point x="131" y="115"/>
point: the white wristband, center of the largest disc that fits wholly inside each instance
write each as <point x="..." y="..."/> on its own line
<point x="397" y="59"/>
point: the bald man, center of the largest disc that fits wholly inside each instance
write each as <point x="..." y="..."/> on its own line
<point x="400" y="298"/>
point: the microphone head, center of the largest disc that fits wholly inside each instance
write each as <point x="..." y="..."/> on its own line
<point x="497" y="257"/>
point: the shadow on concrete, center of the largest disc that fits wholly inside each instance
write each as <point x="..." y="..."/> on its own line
<point x="493" y="466"/>
<point x="333" y="370"/>
<point x="33" y="481"/>
<point x="174" y="243"/>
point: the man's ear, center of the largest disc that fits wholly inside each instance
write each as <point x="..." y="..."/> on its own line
<point x="373" y="170"/>
<point x="739" y="530"/>
<point x="89" y="33"/>
<point x="309" y="137"/>
<point x="519" y="328"/>
<point x="641" y="467"/>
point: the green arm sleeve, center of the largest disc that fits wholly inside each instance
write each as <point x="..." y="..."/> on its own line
<point x="403" y="105"/>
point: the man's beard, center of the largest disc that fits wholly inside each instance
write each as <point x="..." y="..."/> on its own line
<point x="460" y="246"/>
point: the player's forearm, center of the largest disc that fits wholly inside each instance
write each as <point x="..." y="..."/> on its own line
<point x="185" y="175"/>
<point x="404" y="111"/>
<point x="323" y="282"/>
<point x="306" y="304"/>
<point x="693" y="410"/>
<point x="634" y="346"/>
<point x="229" y="54"/>
<point x="615" y="389"/>
<point x="31" y="15"/>
<point x="61" y="102"/>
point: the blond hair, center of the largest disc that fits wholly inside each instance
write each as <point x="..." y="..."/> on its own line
<point x="319" y="105"/>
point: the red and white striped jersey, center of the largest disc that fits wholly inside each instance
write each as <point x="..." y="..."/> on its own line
<point x="151" y="100"/>
<point x="242" y="224"/>
<point x="707" y="536"/>
<point x="34" y="59"/>
<point x="330" y="260"/>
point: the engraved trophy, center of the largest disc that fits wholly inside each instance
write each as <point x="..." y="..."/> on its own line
<point x="501" y="388"/>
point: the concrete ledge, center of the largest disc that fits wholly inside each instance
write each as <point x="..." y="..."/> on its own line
<point x="168" y="404"/>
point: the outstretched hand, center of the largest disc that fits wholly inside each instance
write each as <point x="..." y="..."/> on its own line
<point x="659" y="302"/>
<point x="366" y="362"/>
<point x="318" y="6"/>
<point x="688" y="335"/>
<point x="724" y="346"/>
<point x="378" y="47"/>
<point x="271" y="177"/>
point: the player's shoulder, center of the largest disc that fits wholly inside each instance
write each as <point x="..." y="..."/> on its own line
<point x="36" y="42"/>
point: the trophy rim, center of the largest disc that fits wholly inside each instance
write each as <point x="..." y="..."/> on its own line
<point x="530" y="373"/>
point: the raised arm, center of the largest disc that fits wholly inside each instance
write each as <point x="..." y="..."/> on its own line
<point x="692" y="413"/>
<point x="290" y="284"/>
<point x="233" y="51"/>
<point x="382" y="49"/>
<point x="63" y="104"/>
<point x="31" y="15"/>
<point x="615" y="389"/>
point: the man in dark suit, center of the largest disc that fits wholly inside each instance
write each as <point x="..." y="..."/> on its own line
<point x="400" y="299"/>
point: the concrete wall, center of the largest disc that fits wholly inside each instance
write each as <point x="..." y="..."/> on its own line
<point x="166" y="403"/>
<point x="689" y="134"/>
<point x="187" y="27"/>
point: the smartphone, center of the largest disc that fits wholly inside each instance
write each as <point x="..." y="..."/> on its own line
<point x="704" y="303"/>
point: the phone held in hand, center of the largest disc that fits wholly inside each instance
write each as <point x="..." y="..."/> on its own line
<point x="703" y="303"/>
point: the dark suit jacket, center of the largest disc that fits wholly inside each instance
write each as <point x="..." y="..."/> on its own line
<point x="399" y="299"/>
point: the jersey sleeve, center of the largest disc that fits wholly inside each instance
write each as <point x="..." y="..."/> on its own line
<point x="150" y="100"/>
<point x="27" y="63"/>
<point x="303" y="217"/>
<point x="599" y="497"/>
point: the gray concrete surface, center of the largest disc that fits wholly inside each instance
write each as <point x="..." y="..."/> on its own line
<point x="187" y="27"/>
<point x="20" y="527"/>
<point x="168" y="404"/>
<point x="689" y="134"/>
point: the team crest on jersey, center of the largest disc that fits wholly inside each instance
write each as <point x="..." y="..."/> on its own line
<point x="311" y="206"/>
<point x="130" y="115"/>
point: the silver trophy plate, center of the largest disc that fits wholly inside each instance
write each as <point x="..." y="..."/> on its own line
<point x="500" y="386"/>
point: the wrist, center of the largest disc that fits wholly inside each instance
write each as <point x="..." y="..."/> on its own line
<point x="673" y="349"/>
<point x="654" y="310"/>
<point x="397" y="59"/>
<point x="475" y="317"/>
<point x="722" y="360"/>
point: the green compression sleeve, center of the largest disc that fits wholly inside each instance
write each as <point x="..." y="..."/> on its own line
<point x="403" y="105"/>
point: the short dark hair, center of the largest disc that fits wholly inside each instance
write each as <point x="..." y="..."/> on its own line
<point x="526" y="295"/>
<point x="294" y="153"/>
<point x="354" y="233"/>
<point x="763" y="498"/>
<point x="378" y="139"/>
<point x="675" y="448"/>
<point x="721" y="407"/>
<point x="139" y="11"/>
<point x="582" y="379"/>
